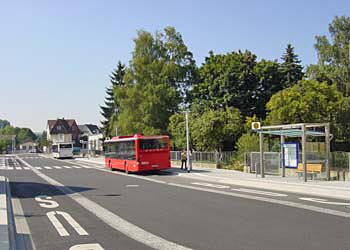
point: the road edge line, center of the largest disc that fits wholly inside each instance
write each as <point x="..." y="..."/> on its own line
<point x="10" y="217"/>
<point x="239" y="195"/>
<point x="116" y="222"/>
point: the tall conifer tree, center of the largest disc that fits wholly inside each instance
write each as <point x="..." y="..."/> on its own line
<point x="110" y="109"/>
<point x="291" y="68"/>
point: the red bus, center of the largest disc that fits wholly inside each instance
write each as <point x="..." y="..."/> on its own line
<point x="137" y="153"/>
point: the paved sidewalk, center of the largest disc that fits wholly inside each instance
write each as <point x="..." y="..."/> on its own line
<point x="329" y="189"/>
<point x="4" y="223"/>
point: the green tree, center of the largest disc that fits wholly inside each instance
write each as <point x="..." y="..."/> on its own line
<point x="6" y="142"/>
<point x="9" y="130"/>
<point x="269" y="78"/>
<point x="215" y="129"/>
<point x="333" y="55"/>
<point x="4" y="123"/>
<point x="157" y="82"/>
<point x="341" y="128"/>
<point x="42" y="140"/>
<point x="306" y="101"/>
<point x="25" y="134"/>
<point x="110" y="109"/>
<point x="291" y="69"/>
<point x="177" y="131"/>
<point x="237" y="80"/>
<point x="227" y="81"/>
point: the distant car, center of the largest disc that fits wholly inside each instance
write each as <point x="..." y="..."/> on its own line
<point x="33" y="151"/>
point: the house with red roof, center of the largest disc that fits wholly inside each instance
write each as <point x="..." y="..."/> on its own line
<point x="63" y="130"/>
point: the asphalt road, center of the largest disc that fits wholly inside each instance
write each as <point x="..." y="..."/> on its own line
<point x="163" y="211"/>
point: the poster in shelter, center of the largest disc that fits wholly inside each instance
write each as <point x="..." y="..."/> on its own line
<point x="290" y="155"/>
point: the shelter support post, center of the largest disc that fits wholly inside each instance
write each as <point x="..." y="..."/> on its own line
<point x="262" y="158"/>
<point x="282" y="158"/>
<point x="327" y="141"/>
<point x="303" y="149"/>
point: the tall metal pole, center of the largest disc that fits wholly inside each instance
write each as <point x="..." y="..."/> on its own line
<point x="187" y="142"/>
<point x="303" y="150"/>
<point x="347" y="87"/>
<point x="282" y="158"/>
<point x="262" y="160"/>
<point x="13" y="144"/>
<point x="349" y="165"/>
<point x="327" y="140"/>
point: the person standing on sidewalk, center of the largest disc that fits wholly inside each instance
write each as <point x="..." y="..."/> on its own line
<point x="183" y="159"/>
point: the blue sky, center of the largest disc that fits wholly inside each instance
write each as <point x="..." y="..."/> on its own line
<point x="55" y="56"/>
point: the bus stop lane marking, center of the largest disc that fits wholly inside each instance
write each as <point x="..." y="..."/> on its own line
<point x="253" y="191"/>
<point x="209" y="185"/>
<point x="324" y="201"/>
<point x="132" y="185"/>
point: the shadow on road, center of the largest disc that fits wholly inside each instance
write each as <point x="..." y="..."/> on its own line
<point x="24" y="190"/>
<point x="169" y="172"/>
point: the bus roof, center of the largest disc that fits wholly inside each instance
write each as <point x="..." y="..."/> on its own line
<point x="135" y="137"/>
<point x="56" y="143"/>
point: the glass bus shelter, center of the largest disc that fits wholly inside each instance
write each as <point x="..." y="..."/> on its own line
<point x="299" y="130"/>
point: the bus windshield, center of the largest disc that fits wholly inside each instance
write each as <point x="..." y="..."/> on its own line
<point x="66" y="145"/>
<point x="160" y="143"/>
<point x="121" y="150"/>
<point x="54" y="148"/>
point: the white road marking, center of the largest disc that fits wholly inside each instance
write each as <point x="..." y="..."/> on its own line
<point x="67" y="167"/>
<point x="60" y="228"/>
<point x="26" y="168"/>
<point x="269" y="200"/>
<point x="209" y="185"/>
<point x="87" y="247"/>
<point x="76" y="167"/>
<point x="57" y="167"/>
<point x="18" y="168"/>
<point x="57" y="224"/>
<point x="23" y="234"/>
<point x="132" y="185"/>
<point x="47" y="201"/>
<point x="253" y="191"/>
<point x="3" y="202"/>
<point x="111" y="219"/>
<point x="84" y="166"/>
<point x="3" y="210"/>
<point x="47" y="167"/>
<point x="39" y="168"/>
<point x="324" y="201"/>
<point x="9" y="168"/>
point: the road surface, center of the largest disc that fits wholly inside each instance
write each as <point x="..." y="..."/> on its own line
<point x="64" y="204"/>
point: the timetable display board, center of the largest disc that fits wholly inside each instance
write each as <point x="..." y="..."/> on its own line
<point x="290" y="154"/>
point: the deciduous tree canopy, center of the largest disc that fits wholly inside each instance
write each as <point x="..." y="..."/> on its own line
<point x="333" y="55"/>
<point x="157" y="81"/>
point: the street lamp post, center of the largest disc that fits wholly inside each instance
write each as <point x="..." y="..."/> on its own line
<point x="189" y="168"/>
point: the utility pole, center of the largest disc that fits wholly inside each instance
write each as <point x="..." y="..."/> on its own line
<point x="347" y="87"/>
<point x="189" y="167"/>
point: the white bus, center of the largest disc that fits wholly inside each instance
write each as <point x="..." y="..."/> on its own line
<point x="62" y="150"/>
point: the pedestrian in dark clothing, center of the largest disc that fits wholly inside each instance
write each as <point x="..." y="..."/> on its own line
<point x="183" y="159"/>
